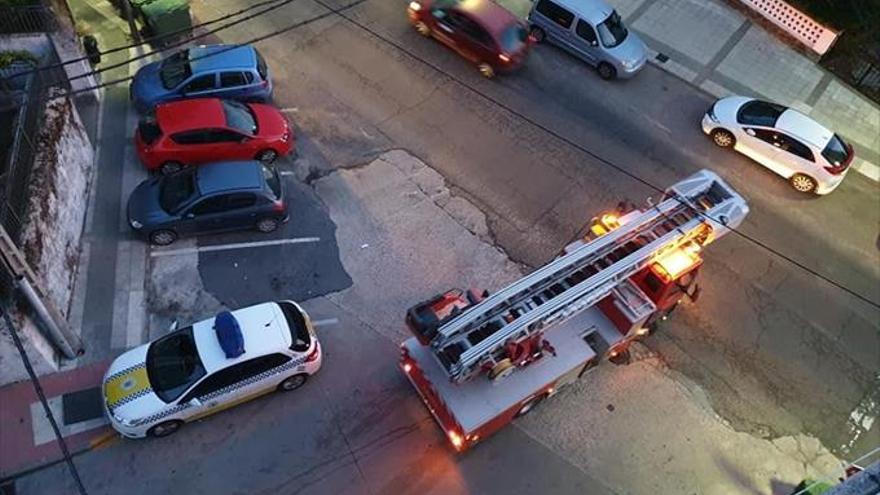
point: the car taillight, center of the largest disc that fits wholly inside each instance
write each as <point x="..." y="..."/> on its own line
<point x="504" y="57"/>
<point x="278" y="206"/>
<point x="313" y="355"/>
<point x="840" y="168"/>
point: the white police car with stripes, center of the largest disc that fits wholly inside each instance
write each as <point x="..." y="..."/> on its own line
<point x="153" y="389"/>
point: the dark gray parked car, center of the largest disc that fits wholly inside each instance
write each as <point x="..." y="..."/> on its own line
<point x="209" y="198"/>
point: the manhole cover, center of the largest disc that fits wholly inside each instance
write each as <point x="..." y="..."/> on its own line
<point x="82" y="405"/>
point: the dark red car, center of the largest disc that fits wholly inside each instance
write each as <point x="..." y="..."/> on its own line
<point x="481" y="31"/>
<point x="191" y="132"/>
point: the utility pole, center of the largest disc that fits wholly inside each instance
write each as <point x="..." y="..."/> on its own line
<point x="135" y="34"/>
<point x="13" y="261"/>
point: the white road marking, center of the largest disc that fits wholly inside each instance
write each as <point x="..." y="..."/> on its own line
<point x="42" y="429"/>
<point x="226" y="247"/>
<point x="324" y="322"/>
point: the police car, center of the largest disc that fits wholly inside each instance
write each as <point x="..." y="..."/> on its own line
<point x="192" y="372"/>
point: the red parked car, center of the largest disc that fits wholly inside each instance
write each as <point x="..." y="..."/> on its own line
<point x="481" y="31"/>
<point x="191" y="132"/>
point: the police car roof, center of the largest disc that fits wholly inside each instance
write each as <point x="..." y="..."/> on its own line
<point x="263" y="327"/>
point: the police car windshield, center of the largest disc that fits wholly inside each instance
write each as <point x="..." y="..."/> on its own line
<point x="173" y="364"/>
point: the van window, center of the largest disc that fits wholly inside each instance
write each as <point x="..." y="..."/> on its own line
<point x="585" y="31"/>
<point x="555" y="13"/>
<point x="612" y="32"/>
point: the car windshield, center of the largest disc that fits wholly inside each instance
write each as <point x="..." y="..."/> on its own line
<point x="175" y="69"/>
<point x="271" y="177"/>
<point x="836" y="151"/>
<point x="176" y="189"/>
<point x="240" y="117"/>
<point x="612" y="32"/>
<point x="757" y="112"/>
<point x="513" y="39"/>
<point x="173" y="364"/>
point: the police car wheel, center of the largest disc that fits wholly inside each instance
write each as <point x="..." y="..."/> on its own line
<point x="292" y="383"/>
<point x="164" y="429"/>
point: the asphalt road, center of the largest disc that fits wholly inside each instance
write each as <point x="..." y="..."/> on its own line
<point x="778" y="349"/>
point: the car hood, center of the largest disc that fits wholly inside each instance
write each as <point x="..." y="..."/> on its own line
<point x="270" y="122"/>
<point x="147" y="85"/>
<point x="126" y="386"/>
<point x="632" y="51"/>
<point x="143" y="204"/>
<point x="725" y="109"/>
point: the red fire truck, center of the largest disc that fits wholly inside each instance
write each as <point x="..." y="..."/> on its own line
<point x="478" y="361"/>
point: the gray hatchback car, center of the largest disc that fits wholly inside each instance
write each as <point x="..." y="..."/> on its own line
<point x="209" y="198"/>
<point x="592" y="31"/>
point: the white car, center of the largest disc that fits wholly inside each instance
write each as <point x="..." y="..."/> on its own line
<point x="811" y="157"/>
<point x="153" y="389"/>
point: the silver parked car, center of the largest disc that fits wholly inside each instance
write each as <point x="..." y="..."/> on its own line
<point x="592" y="31"/>
<point x="811" y="157"/>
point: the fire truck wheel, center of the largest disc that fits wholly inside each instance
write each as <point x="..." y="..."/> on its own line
<point x="501" y="370"/>
<point x="530" y="404"/>
<point x="619" y="357"/>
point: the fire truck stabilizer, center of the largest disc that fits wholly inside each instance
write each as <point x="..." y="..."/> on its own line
<point x="548" y="328"/>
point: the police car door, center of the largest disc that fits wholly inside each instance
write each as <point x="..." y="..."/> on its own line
<point x="233" y="385"/>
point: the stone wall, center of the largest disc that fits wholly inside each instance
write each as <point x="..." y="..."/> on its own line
<point x="53" y="226"/>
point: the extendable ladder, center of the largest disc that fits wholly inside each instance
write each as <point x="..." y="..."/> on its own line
<point x="579" y="279"/>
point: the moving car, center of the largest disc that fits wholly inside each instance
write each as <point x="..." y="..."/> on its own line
<point x="201" y="130"/>
<point x="481" y="31"/>
<point x="211" y="198"/>
<point x="153" y="389"/>
<point x="592" y="31"/>
<point x="811" y="157"/>
<point x="220" y="71"/>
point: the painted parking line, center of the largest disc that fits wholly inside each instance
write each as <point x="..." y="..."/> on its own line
<point x="225" y="247"/>
<point x="325" y="322"/>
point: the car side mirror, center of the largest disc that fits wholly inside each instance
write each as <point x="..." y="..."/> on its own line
<point x="195" y="402"/>
<point x="750" y="132"/>
<point x="173" y="327"/>
<point x="190" y="215"/>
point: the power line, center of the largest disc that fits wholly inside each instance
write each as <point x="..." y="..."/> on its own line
<point x="601" y="159"/>
<point x="151" y="40"/>
<point x="182" y="42"/>
<point x="38" y="388"/>
<point x="283" y="30"/>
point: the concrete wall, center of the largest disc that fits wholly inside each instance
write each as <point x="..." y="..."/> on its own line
<point x="53" y="225"/>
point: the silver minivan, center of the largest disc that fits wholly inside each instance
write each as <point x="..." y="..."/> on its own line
<point x="592" y="31"/>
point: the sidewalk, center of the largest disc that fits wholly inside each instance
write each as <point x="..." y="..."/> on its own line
<point x="27" y="439"/>
<point x="718" y="49"/>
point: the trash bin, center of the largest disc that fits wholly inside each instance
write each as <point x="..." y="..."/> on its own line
<point x="165" y="21"/>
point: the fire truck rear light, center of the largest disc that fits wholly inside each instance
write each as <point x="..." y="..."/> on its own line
<point x="407" y="367"/>
<point x="503" y="57"/>
<point x="455" y="438"/>
<point x="642" y="331"/>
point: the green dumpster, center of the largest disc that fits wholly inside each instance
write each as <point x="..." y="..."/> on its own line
<point x="165" y="21"/>
<point x="812" y="487"/>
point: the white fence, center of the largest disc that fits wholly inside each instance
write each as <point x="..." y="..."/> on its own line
<point x="809" y="32"/>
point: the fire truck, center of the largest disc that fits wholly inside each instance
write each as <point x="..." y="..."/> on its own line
<point x="478" y="361"/>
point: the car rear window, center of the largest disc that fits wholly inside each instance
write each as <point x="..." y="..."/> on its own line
<point x="175" y="69"/>
<point x="836" y="151"/>
<point x="272" y="180"/>
<point x="240" y="117"/>
<point x="149" y="130"/>
<point x="757" y="112"/>
<point x="296" y="322"/>
<point x="513" y="38"/>
<point x="173" y="364"/>
<point x="176" y="189"/>
<point x="262" y="68"/>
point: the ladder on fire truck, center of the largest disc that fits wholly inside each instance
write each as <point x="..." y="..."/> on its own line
<point x="691" y="214"/>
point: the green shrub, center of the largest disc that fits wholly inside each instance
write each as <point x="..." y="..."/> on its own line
<point x="11" y="56"/>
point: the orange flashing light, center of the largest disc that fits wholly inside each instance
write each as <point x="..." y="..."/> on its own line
<point x="673" y="264"/>
<point x="456" y="439"/>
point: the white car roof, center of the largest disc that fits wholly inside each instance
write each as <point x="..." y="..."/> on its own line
<point x="593" y="11"/>
<point x="263" y="327"/>
<point x="804" y="128"/>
